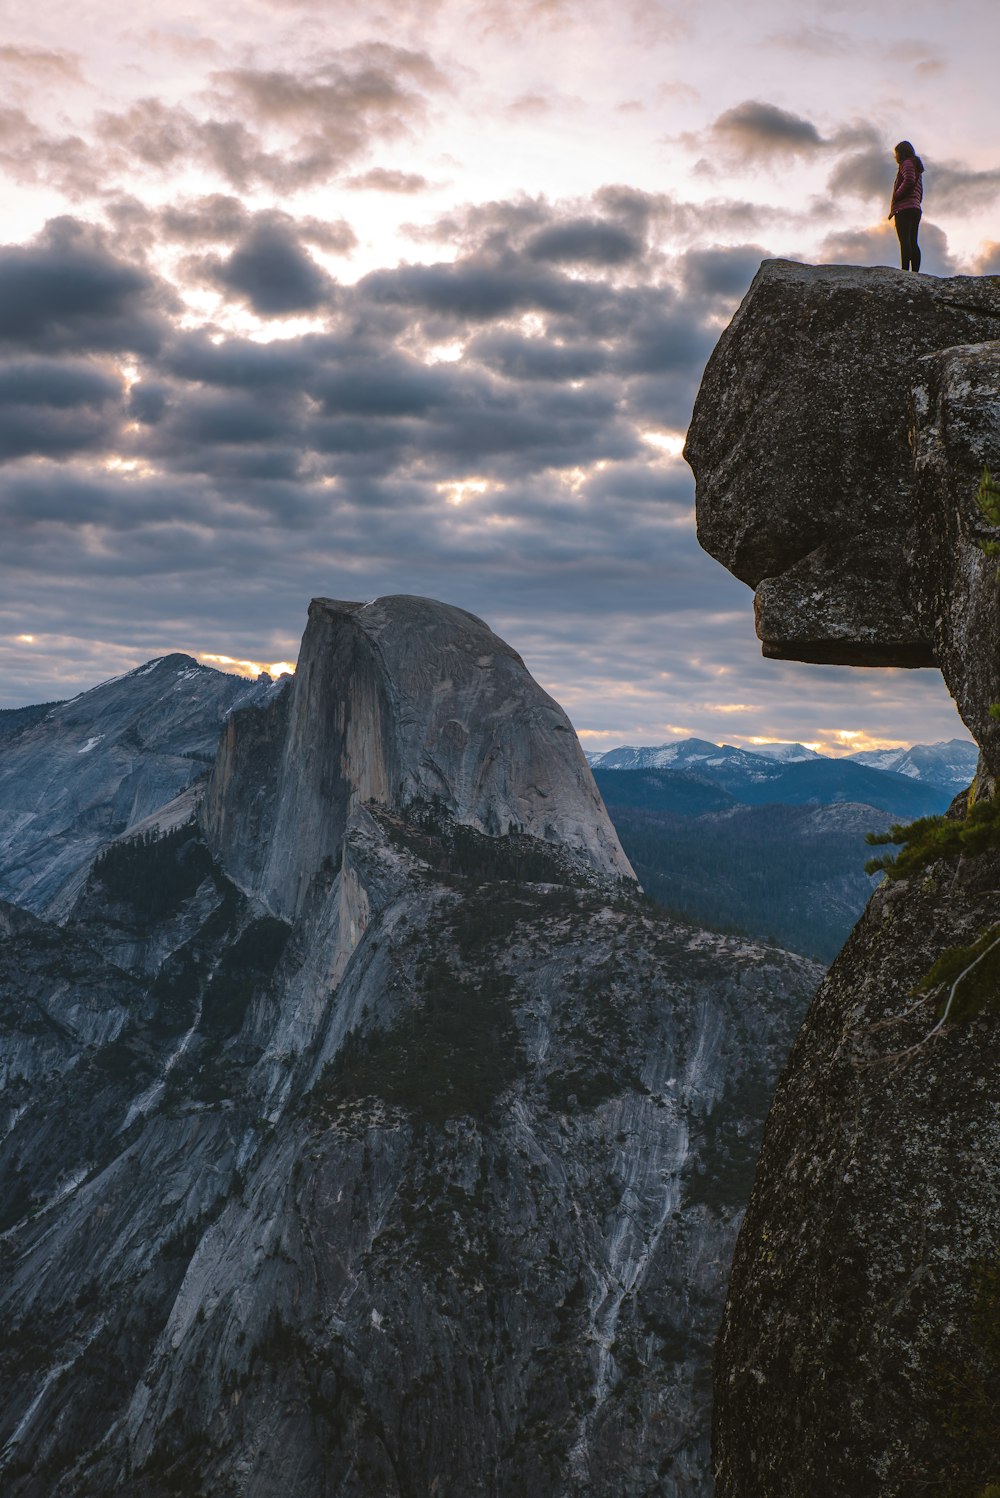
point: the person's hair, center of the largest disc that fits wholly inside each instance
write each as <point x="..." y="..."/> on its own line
<point x="909" y="154"/>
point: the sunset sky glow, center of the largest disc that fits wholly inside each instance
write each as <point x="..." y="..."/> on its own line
<point x="313" y="298"/>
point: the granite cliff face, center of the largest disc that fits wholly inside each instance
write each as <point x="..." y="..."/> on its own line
<point x="838" y="444"/>
<point x="370" y="1134"/>
<point x="406" y="703"/>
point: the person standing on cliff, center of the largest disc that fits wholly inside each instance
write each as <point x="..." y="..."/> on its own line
<point x="907" y="195"/>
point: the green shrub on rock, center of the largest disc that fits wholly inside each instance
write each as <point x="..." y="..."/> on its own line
<point x="931" y="838"/>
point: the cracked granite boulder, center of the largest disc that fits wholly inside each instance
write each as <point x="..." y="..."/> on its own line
<point x="370" y="1134"/>
<point x="837" y="450"/>
<point x="839" y="437"/>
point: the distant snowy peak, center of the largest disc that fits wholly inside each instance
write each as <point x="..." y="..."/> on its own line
<point x="788" y="754"/>
<point x="686" y="753"/>
<point x="647" y="757"/>
<point x="951" y="764"/>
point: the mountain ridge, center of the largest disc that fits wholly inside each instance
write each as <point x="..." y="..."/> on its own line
<point x="157" y="730"/>
<point x="950" y="762"/>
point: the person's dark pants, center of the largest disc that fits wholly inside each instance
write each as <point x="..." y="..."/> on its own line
<point x="907" y="224"/>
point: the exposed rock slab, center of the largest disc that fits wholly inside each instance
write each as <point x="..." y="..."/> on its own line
<point x="400" y="702"/>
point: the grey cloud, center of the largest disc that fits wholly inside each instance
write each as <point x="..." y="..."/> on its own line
<point x="392" y="385"/>
<point x="217" y="217"/>
<point x="665" y="339"/>
<point x="346" y="403"/>
<point x="148" y="401"/>
<point x="520" y="358"/>
<point x="69" y="291"/>
<point x="384" y="179"/>
<point x="866" y="174"/>
<point x="372" y="78"/>
<point x="236" y="465"/>
<point x="472" y="290"/>
<point x="29" y="153"/>
<point x="626" y="220"/>
<point x="643" y="487"/>
<point x="956" y="189"/>
<point x="161" y="136"/>
<point x="52" y="408"/>
<point x="348" y="409"/>
<point x="584" y="241"/>
<point x="334" y="235"/>
<point x="317" y="120"/>
<point x="636" y="208"/>
<point x="59" y="383"/>
<point x="756" y="130"/>
<point x="665" y="398"/>
<point x="226" y="419"/>
<point x="646" y="214"/>
<point x="722" y="272"/>
<point x="493" y="224"/>
<point x="337" y="110"/>
<point x="626" y="216"/>
<point x="271" y="271"/>
<point x="42" y="63"/>
<point x="33" y="502"/>
<point x="862" y="246"/>
<point x="235" y="152"/>
<point x="239" y="362"/>
<point x="488" y="428"/>
<point x="150" y="131"/>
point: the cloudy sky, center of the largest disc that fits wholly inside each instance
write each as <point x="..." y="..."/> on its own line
<point x="301" y="297"/>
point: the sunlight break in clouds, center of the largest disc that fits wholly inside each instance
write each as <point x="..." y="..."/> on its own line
<point x="246" y="668"/>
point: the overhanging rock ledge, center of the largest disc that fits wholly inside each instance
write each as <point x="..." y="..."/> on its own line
<point x="837" y="441"/>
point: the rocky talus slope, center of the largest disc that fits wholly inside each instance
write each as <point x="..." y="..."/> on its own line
<point x="838" y="442"/>
<point x="369" y="1135"/>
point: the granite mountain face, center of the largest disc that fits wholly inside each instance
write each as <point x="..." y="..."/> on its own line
<point x="366" y="1132"/>
<point x="81" y="773"/>
<point x="839" y="441"/>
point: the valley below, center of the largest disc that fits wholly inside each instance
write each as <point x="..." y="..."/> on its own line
<point x="769" y="848"/>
